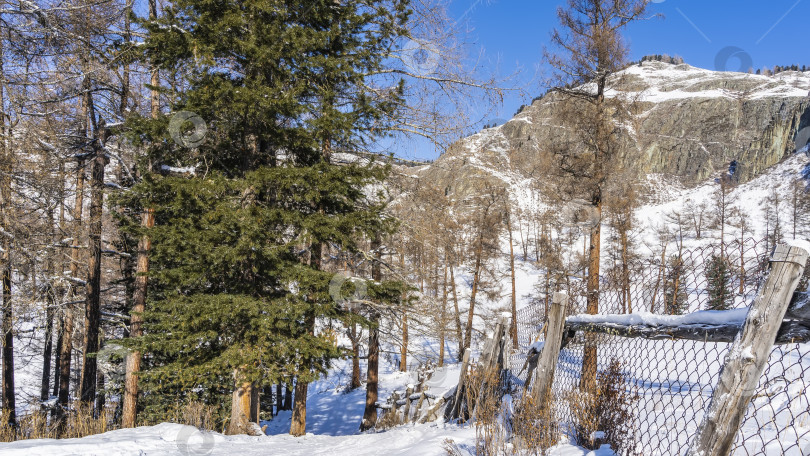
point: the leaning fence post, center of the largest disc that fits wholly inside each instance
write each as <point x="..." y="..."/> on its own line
<point x="551" y="347"/>
<point x="462" y="377"/>
<point x="748" y="354"/>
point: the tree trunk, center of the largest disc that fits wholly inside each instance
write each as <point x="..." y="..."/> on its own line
<point x="513" y="327"/>
<point x="45" y="390"/>
<point x="92" y="304"/>
<point x="476" y="278"/>
<point x="355" y="357"/>
<point x="130" y="408"/>
<point x="443" y="326"/>
<point x="372" y="378"/>
<point x="279" y="399"/>
<point x="66" y="350"/>
<point x="403" y="349"/>
<point x="589" y="360"/>
<point x="136" y="319"/>
<point x="57" y="362"/>
<point x="298" y="426"/>
<point x="459" y="335"/>
<point x="244" y="409"/>
<point x="299" y="417"/>
<point x="626" y="271"/>
<point x="6" y="170"/>
<point x="288" y="397"/>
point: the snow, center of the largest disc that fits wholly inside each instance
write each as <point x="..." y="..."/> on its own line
<point x="666" y="82"/>
<point x="179" y="170"/>
<point x="801" y="243"/>
<point x="537" y="346"/>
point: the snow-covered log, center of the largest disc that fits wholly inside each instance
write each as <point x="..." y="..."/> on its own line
<point x="706" y="325"/>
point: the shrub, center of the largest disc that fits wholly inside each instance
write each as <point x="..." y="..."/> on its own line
<point x="608" y="408"/>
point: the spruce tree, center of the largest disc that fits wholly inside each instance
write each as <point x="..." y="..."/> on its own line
<point x="718" y="284"/>
<point x="237" y="281"/>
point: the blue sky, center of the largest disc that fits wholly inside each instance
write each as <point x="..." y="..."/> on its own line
<point x="512" y="33"/>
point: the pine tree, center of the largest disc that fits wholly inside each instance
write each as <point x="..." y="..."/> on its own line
<point x="675" y="296"/>
<point x="238" y="279"/>
<point x="718" y="284"/>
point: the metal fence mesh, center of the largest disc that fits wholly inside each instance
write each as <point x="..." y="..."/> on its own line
<point x="672" y="380"/>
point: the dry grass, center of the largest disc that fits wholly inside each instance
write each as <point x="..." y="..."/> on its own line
<point x="509" y="426"/>
<point x="607" y="409"/>
<point x="79" y="422"/>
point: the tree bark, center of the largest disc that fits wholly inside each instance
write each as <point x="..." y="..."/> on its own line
<point x="443" y="327"/>
<point x="244" y="409"/>
<point x="479" y="251"/>
<point x="288" y="397"/>
<point x="66" y="350"/>
<point x="589" y="361"/>
<point x="130" y="407"/>
<point x="372" y="378"/>
<point x="92" y="304"/>
<point x="459" y="335"/>
<point x="45" y="389"/>
<point x="6" y="169"/>
<point x="298" y="425"/>
<point x="355" y="357"/>
<point x="136" y="323"/>
<point x="513" y="326"/>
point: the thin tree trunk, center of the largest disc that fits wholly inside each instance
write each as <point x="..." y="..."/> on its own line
<point x="513" y="327"/>
<point x="403" y="349"/>
<point x="279" y="399"/>
<point x="476" y="278"/>
<point x="47" y="354"/>
<point x="661" y="276"/>
<point x="136" y="319"/>
<point x="372" y="378"/>
<point x="92" y="304"/>
<point x="459" y="334"/>
<point x="298" y="426"/>
<point x="626" y="271"/>
<point x="57" y="362"/>
<point x="130" y="408"/>
<point x="100" y="396"/>
<point x="288" y="397"/>
<point x="355" y="339"/>
<point x="443" y="327"/>
<point x="6" y="169"/>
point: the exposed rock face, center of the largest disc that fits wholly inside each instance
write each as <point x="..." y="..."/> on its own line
<point x="688" y="123"/>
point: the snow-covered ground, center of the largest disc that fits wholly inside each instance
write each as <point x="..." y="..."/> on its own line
<point x="333" y="418"/>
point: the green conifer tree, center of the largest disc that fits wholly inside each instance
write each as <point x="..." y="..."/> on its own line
<point x="718" y="284"/>
<point x="238" y="279"/>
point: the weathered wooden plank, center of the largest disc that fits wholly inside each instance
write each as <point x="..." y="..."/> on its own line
<point x="790" y="331"/>
<point x="462" y="376"/>
<point x="551" y="347"/>
<point x="748" y="355"/>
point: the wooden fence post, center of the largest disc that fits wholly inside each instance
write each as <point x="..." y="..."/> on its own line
<point x="551" y="347"/>
<point x="462" y="376"/>
<point x="748" y="355"/>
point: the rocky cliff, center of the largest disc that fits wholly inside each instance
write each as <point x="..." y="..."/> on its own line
<point x="686" y="123"/>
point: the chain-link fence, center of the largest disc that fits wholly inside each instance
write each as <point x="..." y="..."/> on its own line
<point x="669" y="383"/>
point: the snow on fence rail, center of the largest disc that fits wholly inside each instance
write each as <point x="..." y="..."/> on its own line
<point x="672" y="372"/>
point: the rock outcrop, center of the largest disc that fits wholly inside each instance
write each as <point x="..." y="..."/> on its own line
<point x="687" y="123"/>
